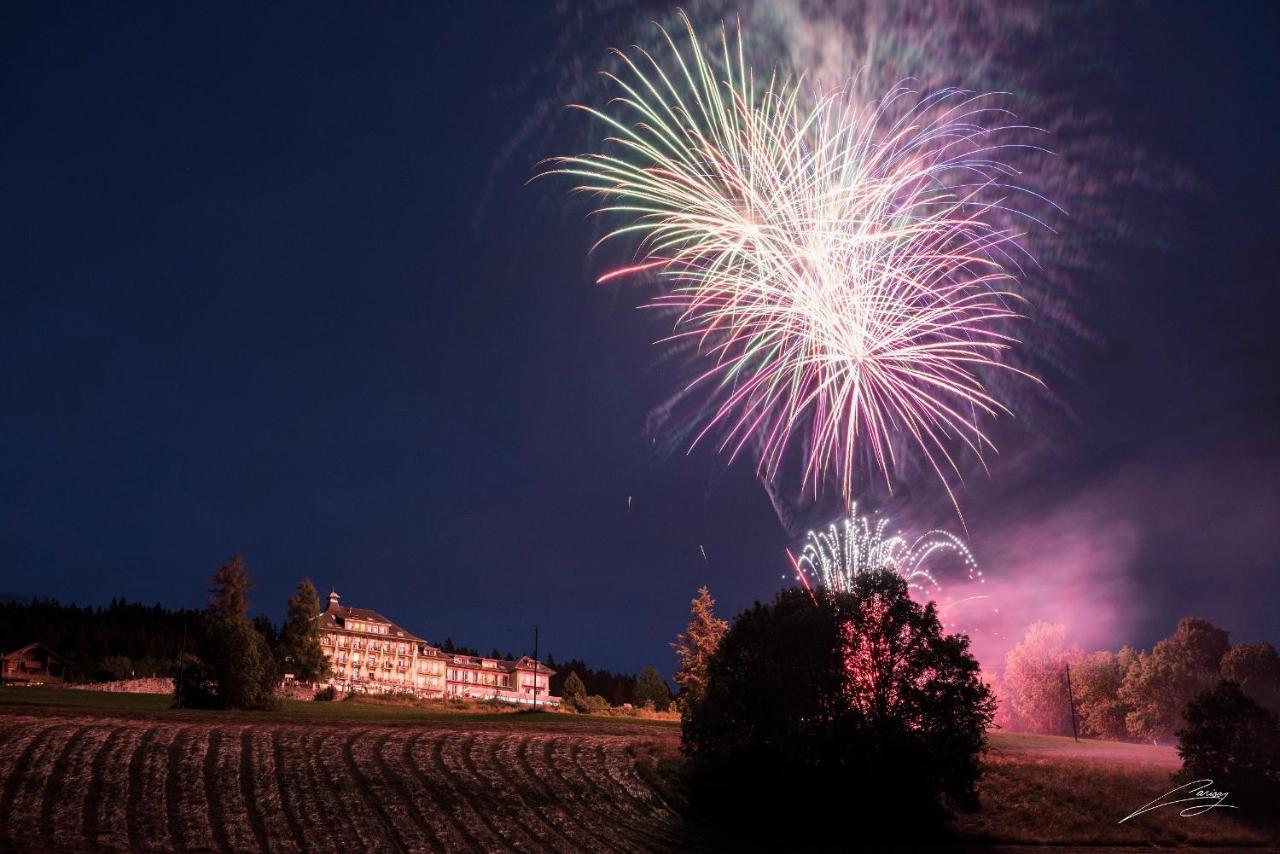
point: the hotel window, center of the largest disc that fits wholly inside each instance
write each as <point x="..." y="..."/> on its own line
<point x="327" y="640"/>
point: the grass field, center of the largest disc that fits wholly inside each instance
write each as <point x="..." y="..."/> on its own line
<point x="368" y="710"/>
<point x="90" y="770"/>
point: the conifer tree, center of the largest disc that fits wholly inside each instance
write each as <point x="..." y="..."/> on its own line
<point x="574" y="693"/>
<point x="300" y="648"/>
<point x="650" y="688"/>
<point x="695" y="646"/>
<point x="235" y="669"/>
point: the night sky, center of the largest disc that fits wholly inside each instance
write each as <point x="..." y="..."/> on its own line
<point x="272" y="281"/>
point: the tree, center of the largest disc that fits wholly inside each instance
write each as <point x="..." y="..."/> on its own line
<point x="1256" y="668"/>
<point x="230" y="592"/>
<point x="1160" y="684"/>
<point x="300" y="647"/>
<point x="118" y="667"/>
<point x="616" y="687"/>
<point x="807" y="695"/>
<point x="573" y="693"/>
<point x="694" y="648"/>
<point x="650" y="688"/>
<point x="1035" y="679"/>
<point x="150" y="636"/>
<point x="1096" y="681"/>
<point x="1234" y="741"/>
<point x="235" y="659"/>
<point x="193" y="684"/>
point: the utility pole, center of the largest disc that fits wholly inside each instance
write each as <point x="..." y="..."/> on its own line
<point x="535" y="668"/>
<point x="1071" y="700"/>
<point x="182" y="663"/>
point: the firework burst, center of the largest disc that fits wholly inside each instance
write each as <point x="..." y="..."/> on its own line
<point x="846" y="269"/>
<point x="834" y="557"/>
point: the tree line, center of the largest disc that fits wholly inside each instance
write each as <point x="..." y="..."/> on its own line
<point x="221" y="657"/>
<point x="1128" y="694"/>
<point x="120" y="641"/>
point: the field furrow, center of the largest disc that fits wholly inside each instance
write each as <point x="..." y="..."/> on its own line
<point x="508" y="801"/>
<point x="344" y="803"/>
<point x="189" y="806"/>
<point x="63" y="825"/>
<point x="222" y="775"/>
<point x="114" y="784"/>
<point x="58" y="801"/>
<point x="217" y="810"/>
<point x="533" y="758"/>
<point x="248" y="791"/>
<point x="604" y="795"/>
<point x="19" y="748"/>
<point x="147" y="817"/>
<point x="107" y="824"/>
<point x="515" y="755"/>
<point x="386" y="808"/>
<point x="24" y="803"/>
<point x="575" y="794"/>
<point x="290" y="787"/>
<point x="331" y="797"/>
<point x="476" y="801"/>
<point x="432" y="796"/>
<point x="258" y="782"/>
<point x="404" y="788"/>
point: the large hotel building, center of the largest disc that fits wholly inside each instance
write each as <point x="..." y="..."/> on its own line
<point x="371" y="654"/>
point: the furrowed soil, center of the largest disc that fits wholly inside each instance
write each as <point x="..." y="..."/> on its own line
<point x="113" y="774"/>
<point x="76" y="782"/>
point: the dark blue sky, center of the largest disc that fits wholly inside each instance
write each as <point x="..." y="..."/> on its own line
<point x="272" y="283"/>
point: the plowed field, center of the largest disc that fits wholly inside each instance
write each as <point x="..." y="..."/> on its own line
<point x="76" y="783"/>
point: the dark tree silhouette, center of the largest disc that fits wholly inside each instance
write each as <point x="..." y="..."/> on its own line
<point x="1234" y="741"/>
<point x="123" y="639"/>
<point x="840" y="704"/>
<point x="615" y="688"/>
<point x="651" y="688"/>
<point x="235" y="668"/>
<point x="300" y="650"/>
<point x="573" y="693"/>
<point x="1256" y="668"/>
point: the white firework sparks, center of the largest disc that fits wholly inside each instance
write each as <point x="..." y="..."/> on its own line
<point x="834" y="557"/>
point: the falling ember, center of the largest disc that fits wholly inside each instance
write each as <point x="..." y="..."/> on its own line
<point x="844" y="268"/>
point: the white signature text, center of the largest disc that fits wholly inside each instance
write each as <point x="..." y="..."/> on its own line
<point x="1199" y="794"/>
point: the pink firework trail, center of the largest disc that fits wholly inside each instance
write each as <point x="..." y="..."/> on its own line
<point x="845" y="268"/>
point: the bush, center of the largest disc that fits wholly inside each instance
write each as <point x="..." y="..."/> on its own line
<point x="326" y="694"/>
<point x="573" y="693"/>
<point x="244" y="669"/>
<point x="1234" y="741"/>
<point x="116" y="667"/>
<point x="595" y="703"/>
<point x="194" y="686"/>
<point x="651" y="690"/>
<point x="849" y="704"/>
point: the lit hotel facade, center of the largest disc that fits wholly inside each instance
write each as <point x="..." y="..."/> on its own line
<point x="370" y="654"/>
